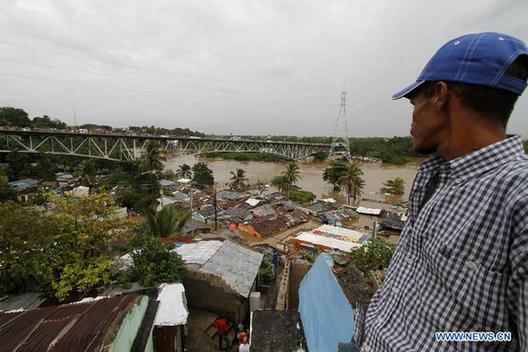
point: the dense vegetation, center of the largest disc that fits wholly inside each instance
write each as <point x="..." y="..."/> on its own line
<point x="60" y="252"/>
<point x="67" y="251"/>
<point x="245" y="156"/>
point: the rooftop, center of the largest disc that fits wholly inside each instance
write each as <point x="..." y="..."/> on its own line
<point x="23" y="184"/>
<point x="172" y="309"/>
<point x="69" y="327"/>
<point x="276" y="331"/>
<point x="235" y="264"/>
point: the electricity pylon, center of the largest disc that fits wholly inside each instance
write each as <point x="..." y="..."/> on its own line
<point x="340" y="142"/>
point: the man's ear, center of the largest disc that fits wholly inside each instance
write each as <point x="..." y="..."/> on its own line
<point x="441" y="96"/>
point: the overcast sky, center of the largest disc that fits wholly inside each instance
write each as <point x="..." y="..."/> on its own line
<point x="234" y="66"/>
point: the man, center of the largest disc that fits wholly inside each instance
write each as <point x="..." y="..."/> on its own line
<point x="221" y="326"/>
<point x="461" y="264"/>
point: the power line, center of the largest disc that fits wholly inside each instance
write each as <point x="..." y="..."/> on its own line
<point x="149" y="68"/>
<point x="153" y="92"/>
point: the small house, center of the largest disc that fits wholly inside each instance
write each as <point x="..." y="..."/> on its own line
<point x="25" y="189"/>
<point x="220" y="276"/>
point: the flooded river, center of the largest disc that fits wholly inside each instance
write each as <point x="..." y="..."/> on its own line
<point x="311" y="174"/>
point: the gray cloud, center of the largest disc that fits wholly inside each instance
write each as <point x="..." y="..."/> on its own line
<point x="233" y="66"/>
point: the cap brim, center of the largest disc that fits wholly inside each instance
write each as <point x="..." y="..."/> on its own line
<point x="402" y="93"/>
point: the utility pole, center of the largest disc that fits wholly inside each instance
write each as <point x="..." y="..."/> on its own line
<point x="340" y="141"/>
<point x="215" y="211"/>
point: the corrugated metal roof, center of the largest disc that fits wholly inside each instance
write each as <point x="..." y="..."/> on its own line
<point x="69" y="327"/>
<point x="340" y="231"/>
<point x="368" y="211"/>
<point x="23" y="184"/>
<point x="345" y="246"/>
<point x="237" y="265"/>
<point x="172" y="308"/>
<point x="198" y="252"/>
<point x="29" y="300"/>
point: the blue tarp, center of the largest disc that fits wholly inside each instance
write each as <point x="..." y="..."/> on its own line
<point x="326" y="314"/>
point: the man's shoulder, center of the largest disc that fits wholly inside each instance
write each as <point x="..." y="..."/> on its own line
<point x="512" y="177"/>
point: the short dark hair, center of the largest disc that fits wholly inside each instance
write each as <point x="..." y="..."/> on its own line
<point x="492" y="103"/>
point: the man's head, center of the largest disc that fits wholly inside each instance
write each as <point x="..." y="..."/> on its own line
<point x="479" y="74"/>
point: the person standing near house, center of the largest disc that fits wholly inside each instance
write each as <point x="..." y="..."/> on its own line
<point x="221" y="327"/>
<point x="458" y="280"/>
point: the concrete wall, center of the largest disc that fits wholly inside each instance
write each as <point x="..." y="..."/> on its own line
<point x="210" y="293"/>
<point x="297" y="272"/>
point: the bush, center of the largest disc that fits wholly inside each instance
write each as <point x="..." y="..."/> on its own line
<point x="376" y="253"/>
<point x="266" y="273"/>
<point x="300" y="196"/>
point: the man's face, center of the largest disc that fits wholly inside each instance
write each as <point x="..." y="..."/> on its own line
<point x="427" y="124"/>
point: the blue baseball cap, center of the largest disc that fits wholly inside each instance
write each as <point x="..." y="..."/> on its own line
<point x="480" y="58"/>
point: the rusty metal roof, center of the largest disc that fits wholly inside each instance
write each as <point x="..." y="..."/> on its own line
<point x="85" y="326"/>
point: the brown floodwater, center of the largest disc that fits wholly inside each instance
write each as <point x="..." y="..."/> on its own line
<point x="374" y="174"/>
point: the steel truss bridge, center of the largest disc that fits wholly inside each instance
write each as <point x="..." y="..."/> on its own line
<point x="120" y="147"/>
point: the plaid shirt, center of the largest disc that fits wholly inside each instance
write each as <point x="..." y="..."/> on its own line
<point x="462" y="259"/>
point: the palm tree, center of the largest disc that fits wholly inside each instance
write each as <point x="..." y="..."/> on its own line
<point x="184" y="171"/>
<point x="292" y="173"/>
<point x="282" y="183"/>
<point x="152" y="158"/>
<point x="395" y="187"/>
<point x="238" y="180"/>
<point x="168" y="221"/>
<point x="333" y="172"/>
<point x="352" y="182"/>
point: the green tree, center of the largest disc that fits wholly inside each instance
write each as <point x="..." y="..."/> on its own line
<point x="282" y="183"/>
<point x="37" y="247"/>
<point x="134" y="189"/>
<point x="152" y="158"/>
<point x="47" y="122"/>
<point x="168" y="221"/>
<point x="320" y="156"/>
<point x="375" y="254"/>
<point x="202" y="176"/>
<point x="154" y="262"/>
<point x="394" y="187"/>
<point x="81" y="278"/>
<point x="45" y="166"/>
<point x="19" y="165"/>
<point x="6" y="192"/>
<point x="352" y="182"/>
<point x="184" y="171"/>
<point x="10" y="116"/>
<point x="333" y="172"/>
<point x="292" y="173"/>
<point x="238" y="180"/>
<point x="87" y="173"/>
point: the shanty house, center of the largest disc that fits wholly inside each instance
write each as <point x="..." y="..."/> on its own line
<point x="220" y="276"/>
<point x="25" y="188"/>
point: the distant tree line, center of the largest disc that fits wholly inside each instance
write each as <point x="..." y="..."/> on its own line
<point x="17" y="117"/>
